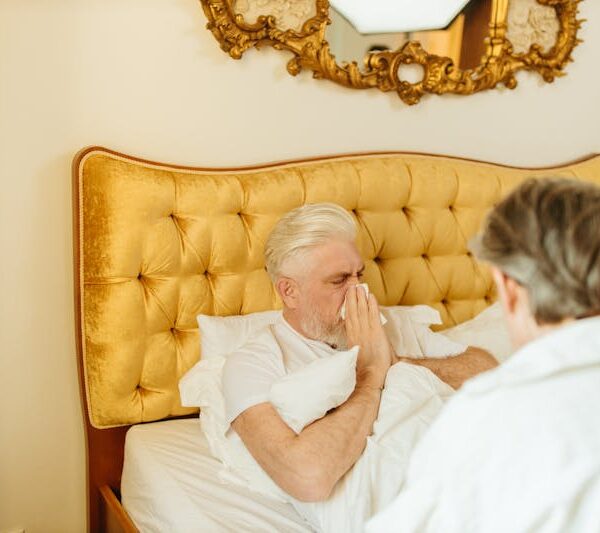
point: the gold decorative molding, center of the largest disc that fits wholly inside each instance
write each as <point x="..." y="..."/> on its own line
<point x="311" y="51"/>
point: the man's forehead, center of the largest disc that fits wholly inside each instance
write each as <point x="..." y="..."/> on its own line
<point x="337" y="257"/>
<point x="345" y="270"/>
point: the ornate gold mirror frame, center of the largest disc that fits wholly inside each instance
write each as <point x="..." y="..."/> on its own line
<point x="311" y="51"/>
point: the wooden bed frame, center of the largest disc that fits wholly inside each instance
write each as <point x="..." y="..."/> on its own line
<point x="105" y="447"/>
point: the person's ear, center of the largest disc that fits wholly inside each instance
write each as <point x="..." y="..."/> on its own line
<point x="288" y="291"/>
<point x="508" y="290"/>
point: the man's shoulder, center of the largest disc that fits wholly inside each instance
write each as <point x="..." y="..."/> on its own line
<point x="260" y="347"/>
<point x="262" y="339"/>
<point x="250" y="371"/>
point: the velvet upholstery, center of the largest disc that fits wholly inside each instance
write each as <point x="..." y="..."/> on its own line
<point x="158" y="244"/>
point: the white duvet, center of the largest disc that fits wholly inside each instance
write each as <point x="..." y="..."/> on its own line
<point x="412" y="397"/>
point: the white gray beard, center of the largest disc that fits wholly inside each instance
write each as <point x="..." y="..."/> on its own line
<point x="314" y="328"/>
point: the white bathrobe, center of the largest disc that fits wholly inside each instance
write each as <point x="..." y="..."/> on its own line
<point x="516" y="450"/>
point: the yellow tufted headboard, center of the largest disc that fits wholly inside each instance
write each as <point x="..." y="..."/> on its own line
<point x="157" y="245"/>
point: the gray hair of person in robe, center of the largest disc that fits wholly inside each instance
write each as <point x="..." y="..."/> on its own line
<point x="545" y="235"/>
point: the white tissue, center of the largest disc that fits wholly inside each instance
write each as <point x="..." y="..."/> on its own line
<point x="366" y="288"/>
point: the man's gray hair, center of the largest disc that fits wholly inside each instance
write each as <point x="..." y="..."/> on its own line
<point x="546" y="236"/>
<point x="304" y="228"/>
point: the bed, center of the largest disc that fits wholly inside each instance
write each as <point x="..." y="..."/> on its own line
<point x="155" y="245"/>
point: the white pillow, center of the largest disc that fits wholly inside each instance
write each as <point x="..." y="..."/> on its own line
<point x="307" y="394"/>
<point x="201" y="387"/>
<point x="487" y="330"/>
<point x="222" y="335"/>
<point x="408" y="328"/>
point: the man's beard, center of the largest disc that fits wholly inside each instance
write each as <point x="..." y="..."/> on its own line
<point x="315" y="327"/>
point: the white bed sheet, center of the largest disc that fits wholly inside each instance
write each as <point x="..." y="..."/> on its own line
<point x="170" y="483"/>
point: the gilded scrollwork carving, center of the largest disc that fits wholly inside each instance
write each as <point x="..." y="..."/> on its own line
<point x="310" y="51"/>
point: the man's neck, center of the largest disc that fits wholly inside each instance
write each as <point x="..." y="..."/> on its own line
<point x="294" y="322"/>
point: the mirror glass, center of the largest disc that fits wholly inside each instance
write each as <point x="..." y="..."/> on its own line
<point x="462" y="39"/>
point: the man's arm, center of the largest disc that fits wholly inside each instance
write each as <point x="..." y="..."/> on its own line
<point x="308" y="465"/>
<point x="457" y="369"/>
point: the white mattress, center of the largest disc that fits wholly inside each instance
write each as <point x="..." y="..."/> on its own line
<point x="170" y="483"/>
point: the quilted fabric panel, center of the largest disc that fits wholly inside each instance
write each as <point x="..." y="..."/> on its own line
<point x="160" y="245"/>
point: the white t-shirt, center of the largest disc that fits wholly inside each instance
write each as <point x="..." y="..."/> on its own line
<point x="516" y="450"/>
<point x="270" y="354"/>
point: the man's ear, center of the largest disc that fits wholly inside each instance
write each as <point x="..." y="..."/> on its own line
<point x="288" y="291"/>
<point x="508" y="290"/>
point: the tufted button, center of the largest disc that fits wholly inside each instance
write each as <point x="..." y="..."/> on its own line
<point x="377" y="259"/>
<point x="425" y="256"/>
<point x="444" y="301"/>
<point x="140" y="276"/>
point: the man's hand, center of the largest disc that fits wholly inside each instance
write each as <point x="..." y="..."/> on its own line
<point x="363" y="328"/>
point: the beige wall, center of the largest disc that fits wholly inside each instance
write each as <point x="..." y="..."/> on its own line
<point x="145" y="77"/>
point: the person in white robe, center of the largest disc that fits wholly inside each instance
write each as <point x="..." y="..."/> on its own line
<point x="517" y="449"/>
